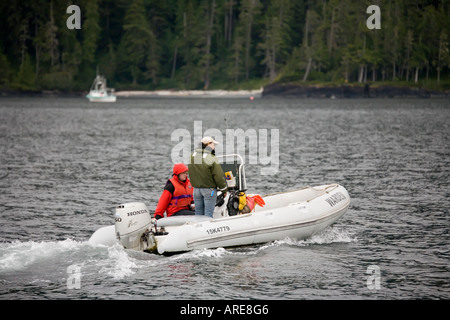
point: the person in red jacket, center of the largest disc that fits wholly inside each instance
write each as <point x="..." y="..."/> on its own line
<point x="177" y="196"/>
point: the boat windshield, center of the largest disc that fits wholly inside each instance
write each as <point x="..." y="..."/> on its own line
<point x="235" y="164"/>
<point x="99" y="84"/>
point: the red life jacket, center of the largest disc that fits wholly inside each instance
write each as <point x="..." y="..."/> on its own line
<point x="182" y="196"/>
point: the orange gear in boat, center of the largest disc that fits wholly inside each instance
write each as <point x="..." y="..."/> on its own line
<point x="259" y="200"/>
<point x="256" y="199"/>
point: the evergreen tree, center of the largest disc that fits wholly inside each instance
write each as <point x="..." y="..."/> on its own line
<point x="138" y="46"/>
<point x="24" y="79"/>
<point x="275" y="36"/>
<point x="91" y="32"/>
<point x="249" y="10"/>
<point x="5" y="70"/>
<point x="443" y="59"/>
<point x="200" y="44"/>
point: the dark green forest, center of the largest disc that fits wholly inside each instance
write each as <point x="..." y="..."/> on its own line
<point x="222" y="44"/>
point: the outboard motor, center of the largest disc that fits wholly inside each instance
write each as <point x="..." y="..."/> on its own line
<point x="132" y="220"/>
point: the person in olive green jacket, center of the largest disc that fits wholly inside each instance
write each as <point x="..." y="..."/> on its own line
<point x="206" y="176"/>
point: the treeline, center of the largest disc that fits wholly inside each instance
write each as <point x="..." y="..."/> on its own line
<point x="229" y="44"/>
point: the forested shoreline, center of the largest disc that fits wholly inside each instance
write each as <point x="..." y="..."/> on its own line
<point x="223" y="44"/>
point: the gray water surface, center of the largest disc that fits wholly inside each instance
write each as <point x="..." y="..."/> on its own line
<point x="66" y="163"/>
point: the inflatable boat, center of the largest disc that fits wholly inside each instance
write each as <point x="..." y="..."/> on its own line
<point x="296" y="214"/>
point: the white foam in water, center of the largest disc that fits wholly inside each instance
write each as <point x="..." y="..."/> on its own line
<point x="327" y="236"/>
<point x="18" y="255"/>
<point x="113" y="261"/>
<point x="119" y="264"/>
<point x="204" y="253"/>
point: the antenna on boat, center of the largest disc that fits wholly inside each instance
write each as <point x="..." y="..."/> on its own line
<point x="228" y="131"/>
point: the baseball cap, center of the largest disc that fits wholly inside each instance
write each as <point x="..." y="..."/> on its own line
<point x="208" y="140"/>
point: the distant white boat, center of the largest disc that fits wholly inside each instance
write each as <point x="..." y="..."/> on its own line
<point x="100" y="92"/>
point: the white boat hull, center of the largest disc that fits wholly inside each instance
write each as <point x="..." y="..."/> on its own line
<point x="296" y="214"/>
<point x="101" y="98"/>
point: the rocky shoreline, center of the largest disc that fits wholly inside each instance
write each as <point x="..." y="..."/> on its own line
<point x="252" y="94"/>
<point x="347" y="91"/>
<point x="288" y="90"/>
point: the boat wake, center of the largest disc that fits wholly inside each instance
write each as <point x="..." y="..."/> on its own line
<point x="35" y="259"/>
<point x="331" y="235"/>
<point x="17" y="255"/>
<point x="327" y="236"/>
